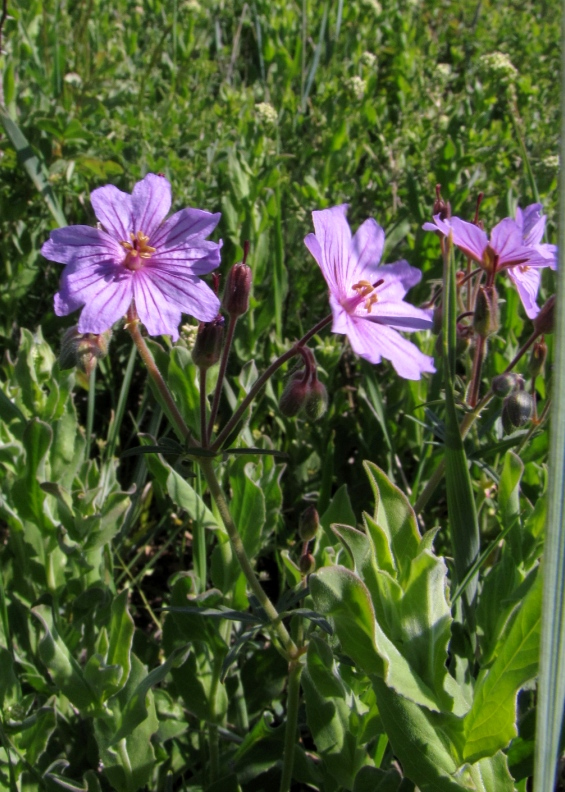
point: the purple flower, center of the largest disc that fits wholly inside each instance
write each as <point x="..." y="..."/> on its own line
<point x="514" y="245"/>
<point x="367" y="300"/>
<point x="136" y="255"/>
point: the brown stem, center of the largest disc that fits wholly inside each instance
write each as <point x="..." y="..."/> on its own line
<point x="203" y="430"/>
<point x="221" y="374"/>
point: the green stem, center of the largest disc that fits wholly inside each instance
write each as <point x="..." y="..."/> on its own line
<point x="241" y="555"/>
<point x="90" y="411"/>
<point x="293" y="700"/>
<point x="295" y="350"/>
<point x="203" y="431"/>
<point x="214" y="748"/>
<point x="221" y="374"/>
<point x="168" y="403"/>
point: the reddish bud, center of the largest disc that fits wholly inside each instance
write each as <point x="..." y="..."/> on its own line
<point x="517" y="410"/>
<point x="293" y="396"/>
<point x="308" y="524"/>
<point x="316" y="402"/>
<point x="236" y="294"/>
<point x="307" y="563"/>
<point x="537" y="359"/>
<point x="504" y="384"/>
<point x="208" y="345"/>
<point x="83" y="350"/>
<point x="544" y="321"/>
<point x="485" y="319"/>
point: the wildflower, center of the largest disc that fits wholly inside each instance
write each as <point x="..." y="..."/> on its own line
<point x="266" y="114"/>
<point x="357" y="86"/>
<point x="367" y="299"/>
<point x="136" y="255"/>
<point x="514" y="245"/>
<point x="498" y="66"/>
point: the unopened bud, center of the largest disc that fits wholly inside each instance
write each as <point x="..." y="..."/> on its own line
<point x="208" y="345"/>
<point x="307" y="564"/>
<point x="437" y="320"/>
<point x="293" y="396"/>
<point x="441" y="207"/>
<point x="544" y="321"/>
<point x="517" y="410"/>
<point x="83" y="350"/>
<point x="235" y="301"/>
<point x="504" y="384"/>
<point x="316" y="402"/>
<point x="308" y="524"/>
<point x="485" y="319"/>
<point x="537" y="359"/>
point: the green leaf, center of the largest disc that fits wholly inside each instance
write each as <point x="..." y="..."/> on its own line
<point x="185" y="496"/>
<point x="26" y="492"/>
<point x="64" y="670"/>
<point x="328" y="710"/>
<point x="491" y="721"/>
<point x="120" y="639"/>
<point x="339" y="511"/>
<point x="509" y="502"/>
<point x="247" y="507"/>
<point x="33" y="166"/>
<point x="371" y="779"/>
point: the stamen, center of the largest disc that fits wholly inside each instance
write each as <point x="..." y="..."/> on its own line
<point x="137" y="250"/>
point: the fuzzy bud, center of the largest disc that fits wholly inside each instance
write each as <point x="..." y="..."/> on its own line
<point x="293" y="396"/>
<point x="308" y="524"/>
<point x="544" y="321"/>
<point x="437" y="320"/>
<point x="504" y="384"/>
<point x="316" y="402"/>
<point x="83" y="350"/>
<point x="208" y="345"/>
<point x="537" y="359"/>
<point x="517" y="410"/>
<point x="485" y="319"/>
<point x="307" y="563"/>
<point x="235" y="301"/>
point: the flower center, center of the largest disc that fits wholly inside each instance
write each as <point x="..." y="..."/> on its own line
<point x="365" y="293"/>
<point x="490" y="259"/>
<point x="523" y="268"/>
<point x="137" y="251"/>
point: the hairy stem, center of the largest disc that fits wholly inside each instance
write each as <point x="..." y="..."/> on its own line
<point x="221" y="374"/>
<point x="293" y="700"/>
<point x="203" y="430"/>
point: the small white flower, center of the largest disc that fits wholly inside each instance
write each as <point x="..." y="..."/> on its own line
<point x="357" y="87"/>
<point x="266" y="114"/>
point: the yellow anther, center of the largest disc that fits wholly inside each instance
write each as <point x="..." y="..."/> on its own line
<point x="363" y="287"/>
<point x="137" y="249"/>
<point x="370" y="302"/>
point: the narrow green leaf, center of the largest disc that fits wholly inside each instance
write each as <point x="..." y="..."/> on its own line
<point x="33" y="166"/>
<point x="120" y="639"/>
<point x="185" y="496"/>
<point x="247" y="507"/>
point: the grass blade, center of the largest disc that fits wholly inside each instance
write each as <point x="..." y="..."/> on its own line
<point x="551" y="690"/>
<point x="32" y="164"/>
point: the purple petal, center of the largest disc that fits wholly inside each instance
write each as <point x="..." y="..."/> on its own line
<point x="340" y="316"/>
<point x="113" y="208"/>
<point x="198" y="260"/>
<point x="506" y="241"/>
<point x="527" y="282"/>
<point x="400" y="315"/>
<point x="469" y="238"/>
<point x="548" y="253"/>
<point x="373" y="341"/>
<point x="150" y="204"/>
<point x="439" y="226"/>
<point x="81" y="244"/>
<point x="532" y="223"/>
<point x="334" y="237"/>
<point x="181" y="228"/>
<point x="185" y="292"/>
<point x="366" y="252"/>
<point x="159" y="315"/>
<point x="398" y="278"/>
<point x="105" y="307"/>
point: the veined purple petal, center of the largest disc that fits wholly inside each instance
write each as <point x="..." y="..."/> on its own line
<point x="113" y="208"/>
<point x="199" y="260"/>
<point x="506" y="241"/>
<point x="469" y="238"/>
<point x="366" y="250"/>
<point x="81" y="244"/>
<point x="373" y="341"/>
<point x="159" y="315"/>
<point x="527" y="281"/>
<point x="400" y="315"/>
<point x="190" y="294"/>
<point x="150" y="204"/>
<point x="548" y="253"/>
<point x="439" y="226"/>
<point x="398" y="278"/>
<point x="340" y="316"/>
<point x="532" y="223"/>
<point x="334" y="237"/>
<point x="181" y="229"/>
<point x="105" y="307"/>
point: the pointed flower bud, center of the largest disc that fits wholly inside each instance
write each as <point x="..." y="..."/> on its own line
<point x="485" y="319"/>
<point x="208" y="345"/>
<point x="293" y="396"/>
<point x="544" y="321"/>
<point x="307" y="563"/>
<point x="504" y="384"/>
<point x="536" y="363"/>
<point x="316" y="402"/>
<point x="308" y="524"/>
<point x="238" y="285"/>
<point x="517" y="410"/>
<point x="83" y="350"/>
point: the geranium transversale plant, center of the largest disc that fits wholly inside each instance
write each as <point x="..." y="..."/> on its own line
<point x="135" y="254"/>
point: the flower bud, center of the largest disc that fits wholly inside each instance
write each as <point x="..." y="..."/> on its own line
<point x="307" y="563"/>
<point x="208" y="345"/>
<point x="235" y="301"/>
<point x="517" y="410"/>
<point x="544" y="321"/>
<point x="537" y="359"/>
<point x="308" y="524"/>
<point x="83" y="350"/>
<point x="504" y="384"/>
<point x="316" y="402"/>
<point x="485" y="319"/>
<point x="437" y="320"/>
<point x="294" y="396"/>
